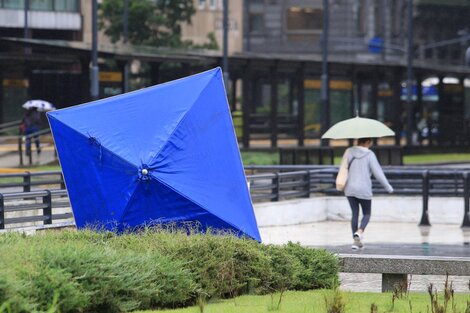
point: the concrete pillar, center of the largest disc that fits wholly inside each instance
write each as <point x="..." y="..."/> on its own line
<point x="397" y="111"/>
<point x="301" y="105"/>
<point x="274" y="104"/>
<point x="246" y="103"/>
<point x="85" y="80"/>
<point x="390" y="282"/>
<point x="154" y="73"/>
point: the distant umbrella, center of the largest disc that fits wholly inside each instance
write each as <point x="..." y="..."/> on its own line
<point x="41" y="105"/>
<point x="358" y="127"/>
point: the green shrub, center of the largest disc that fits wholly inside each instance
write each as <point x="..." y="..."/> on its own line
<point x="96" y="278"/>
<point x="89" y="271"/>
<point x="284" y="268"/>
<point x="319" y="268"/>
<point x="223" y="265"/>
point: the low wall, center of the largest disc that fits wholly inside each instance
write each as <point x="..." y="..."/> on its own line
<point x="384" y="209"/>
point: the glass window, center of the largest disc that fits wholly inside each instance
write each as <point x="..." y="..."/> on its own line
<point x="256" y="23"/>
<point x="202" y="4"/>
<point x="304" y="19"/>
<point x="66" y="5"/>
<point x="361" y="19"/>
<point x="41" y="5"/>
<point x="13" y="4"/>
<point x="213" y="4"/>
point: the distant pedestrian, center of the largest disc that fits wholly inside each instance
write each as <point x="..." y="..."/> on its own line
<point x="362" y="164"/>
<point x="30" y="125"/>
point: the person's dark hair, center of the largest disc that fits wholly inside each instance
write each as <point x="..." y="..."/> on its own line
<point x="361" y="141"/>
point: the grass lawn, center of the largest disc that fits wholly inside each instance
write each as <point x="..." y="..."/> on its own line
<point x="260" y="158"/>
<point x="314" y="302"/>
<point x="436" y="158"/>
<point x="42" y="168"/>
<point x="272" y="158"/>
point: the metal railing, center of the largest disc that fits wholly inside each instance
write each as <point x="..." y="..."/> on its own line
<point x="33" y="208"/>
<point x="31" y="137"/>
<point x="278" y="184"/>
<point x="7" y="136"/>
<point x="29" y="180"/>
<point x="284" y="184"/>
<point x="9" y="126"/>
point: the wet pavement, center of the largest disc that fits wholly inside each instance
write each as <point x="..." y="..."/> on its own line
<point x="382" y="239"/>
<point x="384" y="235"/>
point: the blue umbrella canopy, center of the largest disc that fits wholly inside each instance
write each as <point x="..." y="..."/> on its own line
<point x="167" y="153"/>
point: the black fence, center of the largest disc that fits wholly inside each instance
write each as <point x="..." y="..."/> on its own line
<point x="28" y="181"/>
<point x="9" y="136"/>
<point x="277" y="183"/>
<point x="267" y="183"/>
<point x="387" y="155"/>
<point x="29" y="208"/>
<point x="9" y="127"/>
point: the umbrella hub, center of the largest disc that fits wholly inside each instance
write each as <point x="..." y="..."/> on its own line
<point x="144" y="172"/>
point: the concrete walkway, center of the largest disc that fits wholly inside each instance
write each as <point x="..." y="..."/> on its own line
<point x="11" y="159"/>
<point x="384" y="238"/>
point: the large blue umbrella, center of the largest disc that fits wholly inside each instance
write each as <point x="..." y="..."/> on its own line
<point x="167" y="153"/>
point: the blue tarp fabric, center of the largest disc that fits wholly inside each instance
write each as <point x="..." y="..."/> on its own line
<point x="166" y="153"/>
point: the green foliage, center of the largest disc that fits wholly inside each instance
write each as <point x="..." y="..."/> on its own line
<point x="260" y="158"/>
<point x="85" y="274"/>
<point x="150" y="22"/>
<point x="223" y="265"/>
<point x="91" y="271"/>
<point x="335" y="303"/>
<point x="318" y="268"/>
<point x="285" y="268"/>
<point x="210" y="45"/>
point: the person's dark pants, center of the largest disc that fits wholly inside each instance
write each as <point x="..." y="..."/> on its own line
<point x="29" y="131"/>
<point x="366" y="208"/>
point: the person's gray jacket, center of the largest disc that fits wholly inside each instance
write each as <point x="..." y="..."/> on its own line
<point x="364" y="165"/>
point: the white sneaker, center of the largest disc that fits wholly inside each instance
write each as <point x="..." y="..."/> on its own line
<point x="357" y="241"/>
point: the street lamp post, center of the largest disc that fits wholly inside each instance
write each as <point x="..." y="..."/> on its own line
<point x="94" y="90"/>
<point x="225" y="47"/>
<point x="125" y="21"/>
<point x="26" y="26"/>
<point x="409" y="77"/>
<point x="325" y="101"/>
<point x="125" y="35"/>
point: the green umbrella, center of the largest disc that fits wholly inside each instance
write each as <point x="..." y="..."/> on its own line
<point x="358" y="127"/>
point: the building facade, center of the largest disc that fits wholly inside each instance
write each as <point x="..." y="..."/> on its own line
<point x="364" y="32"/>
<point x="359" y="29"/>
<point x="43" y="20"/>
<point x="208" y="19"/>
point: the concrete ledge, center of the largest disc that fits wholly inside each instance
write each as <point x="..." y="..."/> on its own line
<point x="393" y="264"/>
<point x="395" y="269"/>
<point x="291" y="212"/>
<point x="448" y="210"/>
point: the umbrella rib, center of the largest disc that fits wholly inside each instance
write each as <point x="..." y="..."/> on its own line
<point x="180" y="121"/>
<point x="101" y="146"/>
<point x="129" y="202"/>
<point x="191" y="200"/>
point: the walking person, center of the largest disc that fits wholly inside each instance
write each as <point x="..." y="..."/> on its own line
<point x="362" y="163"/>
<point x="30" y="125"/>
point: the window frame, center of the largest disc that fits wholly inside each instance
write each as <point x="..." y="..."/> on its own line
<point x="201" y="4"/>
<point x="212" y="4"/>
<point x="305" y="31"/>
